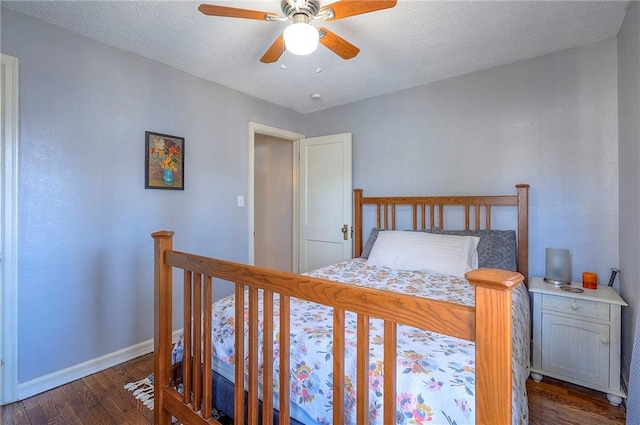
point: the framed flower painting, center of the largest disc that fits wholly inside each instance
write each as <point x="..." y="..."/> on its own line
<point x="164" y="167"/>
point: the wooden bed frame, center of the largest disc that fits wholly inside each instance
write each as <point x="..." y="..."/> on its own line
<point x="489" y="324"/>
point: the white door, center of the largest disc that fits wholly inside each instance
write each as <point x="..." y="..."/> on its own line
<point x="326" y="201"/>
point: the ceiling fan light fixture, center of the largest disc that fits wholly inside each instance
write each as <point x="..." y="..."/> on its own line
<point x="301" y="38"/>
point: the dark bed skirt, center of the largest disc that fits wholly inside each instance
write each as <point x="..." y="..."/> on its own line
<point x="223" y="400"/>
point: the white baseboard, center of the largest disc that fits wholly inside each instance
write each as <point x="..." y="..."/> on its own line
<point x="61" y="377"/>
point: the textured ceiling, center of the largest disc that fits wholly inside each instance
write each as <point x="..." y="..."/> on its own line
<point x="414" y="43"/>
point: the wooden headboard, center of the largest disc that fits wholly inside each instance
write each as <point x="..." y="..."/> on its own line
<point x="430" y="210"/>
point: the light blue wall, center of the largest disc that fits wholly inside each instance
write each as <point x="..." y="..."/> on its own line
<point x="549" y="121"/>
<point x="85" y="219"/>
<point x="629" y="153"/>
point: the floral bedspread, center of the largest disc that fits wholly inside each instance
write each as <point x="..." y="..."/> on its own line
<point x="436" y="373"/>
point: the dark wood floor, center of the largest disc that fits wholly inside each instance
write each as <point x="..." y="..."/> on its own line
<point x="97" y="399"/>
<point x="101" y="399"/>
<point x="553" y="402"/>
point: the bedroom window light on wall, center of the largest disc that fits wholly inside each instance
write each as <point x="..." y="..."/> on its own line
<point x="301" y="38"/>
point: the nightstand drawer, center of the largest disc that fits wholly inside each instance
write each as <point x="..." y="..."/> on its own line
<point x="578" y="307"/>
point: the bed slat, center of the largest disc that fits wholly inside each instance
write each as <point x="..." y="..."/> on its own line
<point x="466" y="217"/>
<point x="362" y="371"/>
<point x="186" y="361"/>
<point x="393" y="217"/>
<point x="253" y="356"/>
<point x="386" y="216"/>
<point x="267" y="356"/>
<point x="285" y="362"/>
<point x="206" y="342"/>
<point x="338" y="366"/>
<point x="238" y="394"/>
<point x="432" y="215"/>
<point x="487" y="217"/>
<point x="390" y="349"/>
<point x="197" y="341"/>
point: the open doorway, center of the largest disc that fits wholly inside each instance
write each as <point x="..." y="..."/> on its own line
<point x="273" y="202"/>
<point x="273" y="197"/>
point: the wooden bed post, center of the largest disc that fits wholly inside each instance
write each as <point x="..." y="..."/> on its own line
<point x="357" y="229"/>
<point x="493" y="343"/>
<point x="162" y="299"/>
<point x="523" y="230"/>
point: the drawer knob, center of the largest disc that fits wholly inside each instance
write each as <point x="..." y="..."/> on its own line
<point x="605" y="341"/>
<point x="574" y="306"/>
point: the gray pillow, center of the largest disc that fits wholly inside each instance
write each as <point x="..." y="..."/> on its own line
<point x="366" y="250"/>
<point x="496" y="249"/>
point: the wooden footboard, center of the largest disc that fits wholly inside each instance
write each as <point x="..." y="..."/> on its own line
<point x="488" y="324"/>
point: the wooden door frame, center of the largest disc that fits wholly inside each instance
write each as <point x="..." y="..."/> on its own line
<point x="8" y="221"/>
<point x="256" y="128"/>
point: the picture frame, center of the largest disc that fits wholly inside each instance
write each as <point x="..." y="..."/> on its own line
<point x="164" y="161"/>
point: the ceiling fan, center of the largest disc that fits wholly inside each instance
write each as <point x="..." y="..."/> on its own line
<point x="300" y="37"/>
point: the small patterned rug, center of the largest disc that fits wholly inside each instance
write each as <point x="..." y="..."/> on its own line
<point x="141" y="392"/>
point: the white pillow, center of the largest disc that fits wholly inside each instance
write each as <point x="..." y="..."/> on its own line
<point x="445" y="254"/>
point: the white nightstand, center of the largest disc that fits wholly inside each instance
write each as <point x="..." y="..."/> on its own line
<point x="576" y="336"/>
